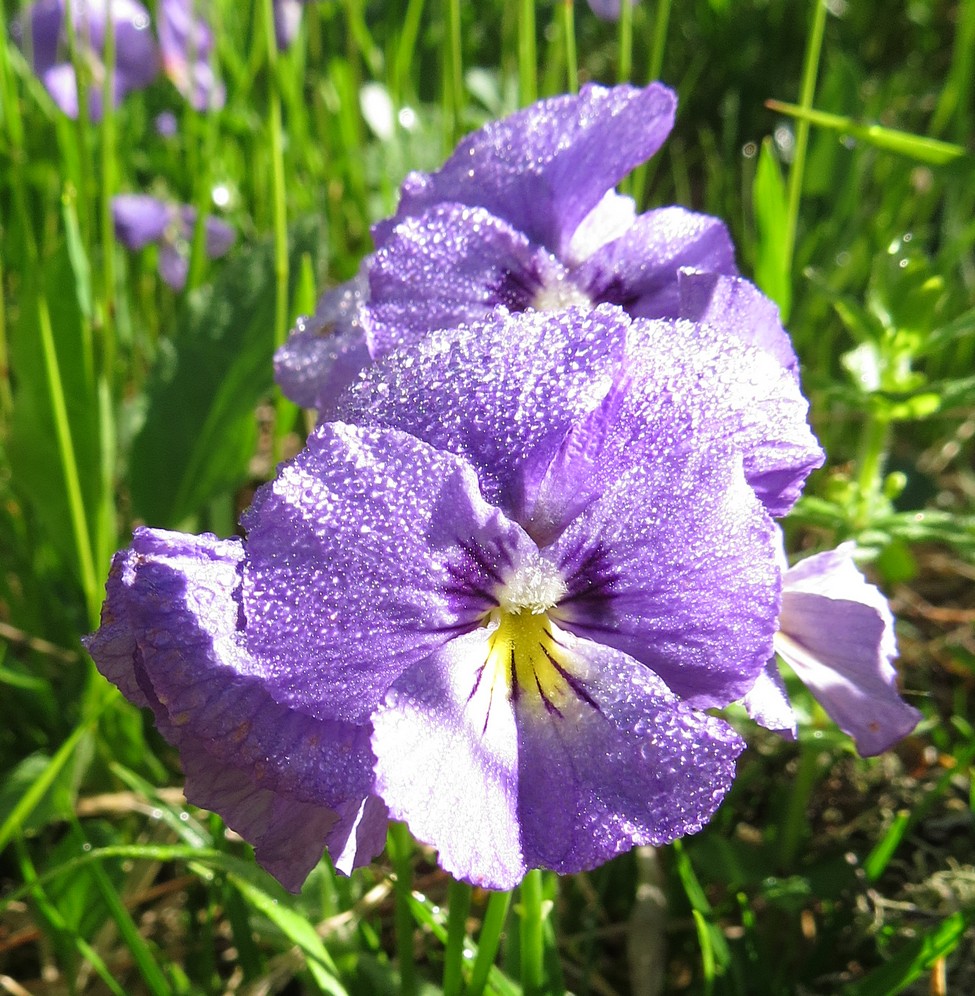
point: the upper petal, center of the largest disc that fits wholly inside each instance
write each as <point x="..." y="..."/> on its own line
<point x="140" y="219"/>
<point x="737" y="306"/>
<point x="544" y="168"/>
<point x="494" y="390"/>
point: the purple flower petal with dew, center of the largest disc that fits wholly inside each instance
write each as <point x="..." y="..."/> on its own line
<point x="168" y="640"/>
<point x="141" y="220"/>
<point x="836" y="632"/>
<point x="188" y="54"/>
<point x="523" y="215"/>
<point x="394" y="583"/>
<point x="42" y="33"/>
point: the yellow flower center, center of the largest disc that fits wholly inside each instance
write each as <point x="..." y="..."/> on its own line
<point x="527" y="661"/>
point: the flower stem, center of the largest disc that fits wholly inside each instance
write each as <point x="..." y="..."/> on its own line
<point x="531" y="934"/>
<point x="625" y="66"/>
<point x="807" y="93"/>
<point x="453" y="76"/>
<point x="527" y="57"/>
<point x="661" y="22"/>
<point x="873" y="456"/>
<point x="489" y="941"/>
<point x="569" y="36"/>
<point x="401" y="851"/>
<point x="459" y="906"/>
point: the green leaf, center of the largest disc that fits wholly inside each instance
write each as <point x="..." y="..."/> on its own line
<point x="914" y="959"/>
<point x="771" y="221"/>
<point x="904" y="143"/>
<point x="200" y="430"/>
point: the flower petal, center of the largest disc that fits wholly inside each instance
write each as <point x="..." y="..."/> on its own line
<point x="619" y="763"/>
<point x="837" y="634"/>
<point x="449" y="266"/>
<point x="674" y="564"/>
<point x="700" y="385"/>
<point x="737" y="306"/>
<point x="493" y="391"/>
<point x="544" y="168"/>
<point x="169" y="640"/>
<point x="370" y="550"/>
<point x="639" y="270"/>
<point x="767" y="702"/>
<point x="140" y="219"/>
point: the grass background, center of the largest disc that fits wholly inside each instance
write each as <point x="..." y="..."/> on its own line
<point x="122" y="401"/>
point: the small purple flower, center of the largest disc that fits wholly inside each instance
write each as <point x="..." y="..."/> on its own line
<point x="608" y="10"/>
<point x="837" y="633"/>
<point x="187" y="52"/>
<point x="506" y="584"/>
<point x="524" y="215"/>
<point x="141" y="219"/>
<point x="42" y="33"/>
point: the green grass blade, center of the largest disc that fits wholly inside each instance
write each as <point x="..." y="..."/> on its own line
<point x="925" y="150"/>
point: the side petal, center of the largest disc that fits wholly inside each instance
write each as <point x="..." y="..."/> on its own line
<point x="674" y="565"/>
<point x="369" y="550"/>
<point x="544" y="168"/>
<point x="449" y="266"/>
<point x="639" y="270"/>
<point x="837" y="634"/>
<point x="326" y="351"/>
<point x="737" y="306"/>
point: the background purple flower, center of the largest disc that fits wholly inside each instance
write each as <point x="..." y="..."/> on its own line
<point x="608" y="10"/>
<point x="187" y="53"/>
<point x="539" y="547"/>
<point x="141" y="219"/>
<point x="42" y="33"/>
<point x="836" y="632"/>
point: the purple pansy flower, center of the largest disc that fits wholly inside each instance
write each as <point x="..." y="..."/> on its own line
<point x="836" y="632"/>
<point x="506" y="584"/>
<point x="524" y="215"/>
<point x="42" y="33"/>
<point x="141" y="219"/>
<point x="187" y="52"/>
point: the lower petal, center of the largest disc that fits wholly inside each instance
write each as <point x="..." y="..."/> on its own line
<point x="502" y="782"/>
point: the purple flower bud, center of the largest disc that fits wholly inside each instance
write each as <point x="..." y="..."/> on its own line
<point x="187" y="52"/>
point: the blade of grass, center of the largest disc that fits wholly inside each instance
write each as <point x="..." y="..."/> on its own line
<point x="931" y="151"/>
<point x="527" y="54"/>
<point x="400" y="847"/>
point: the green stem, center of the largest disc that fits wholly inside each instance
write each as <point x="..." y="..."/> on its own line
<point x="527" y="56"/>
<point x="814" y="48"/>
<point x="400" y="845"/>
<point x="453" y="77"/>
<point x="571" y="55"/>
<point x="488" y="941"/>
<point x="276" y="131"/>
<point x="661" y="23"/>
<point x="531" y="908"/>
<point x="795" y="821"/>
<point x="106" y="190"/>
<point x="459" y="906"/>
<point x="625" y="67"/>
<point x="871" y="462"/>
